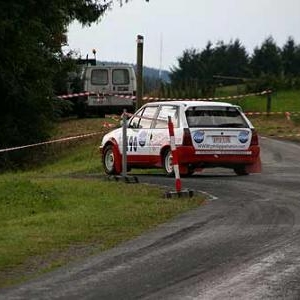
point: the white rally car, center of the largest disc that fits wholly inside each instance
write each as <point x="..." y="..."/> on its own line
<point x="207" y="134"/>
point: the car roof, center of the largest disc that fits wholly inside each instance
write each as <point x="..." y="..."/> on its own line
<point x="190" y="103"/>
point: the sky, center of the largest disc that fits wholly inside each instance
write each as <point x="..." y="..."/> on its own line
<point x="171" y="26"/>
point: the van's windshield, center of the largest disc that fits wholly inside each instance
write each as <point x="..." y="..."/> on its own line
<point x="215" y="116"/>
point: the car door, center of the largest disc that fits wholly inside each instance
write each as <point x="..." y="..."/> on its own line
<point x="139" y="135"/>
<point x="159" y="136"/>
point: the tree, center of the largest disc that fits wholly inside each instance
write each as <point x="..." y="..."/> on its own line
<point x="291" y="58"/>
<point x="32" y="33"/>
<point x="237" y="60"/>
<point x="186" y="70"/>
<point x="196" y="70"/>
<point x="266" y="60"/>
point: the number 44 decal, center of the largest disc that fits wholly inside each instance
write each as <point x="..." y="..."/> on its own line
<point x="132" y="144"/>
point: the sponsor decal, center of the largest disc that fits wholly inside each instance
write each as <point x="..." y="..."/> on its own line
<point x="221" y="146"/>
<point x="132" y="144"/>
<point x="223" y="152"/>
<point x="199" y="137"/>
<point x="142" y="138"/>
<point x="243" y="136"/>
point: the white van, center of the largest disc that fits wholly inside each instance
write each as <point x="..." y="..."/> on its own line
<point x="110" y="88"/>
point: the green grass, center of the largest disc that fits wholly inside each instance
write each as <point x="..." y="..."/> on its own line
<point x="281" y="101"/>
<point x="277" y="126"/>
<point x="79" y="157"/>
<point x="39" y="216"/>
<point x="59" y="212"/>
<point x="230" y="90"/>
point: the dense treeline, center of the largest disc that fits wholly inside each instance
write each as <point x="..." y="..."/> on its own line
<point x="32" y="66"/>
<point x="200" y="72"/>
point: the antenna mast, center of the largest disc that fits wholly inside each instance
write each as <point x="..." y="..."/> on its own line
<point x="160" y="56"/>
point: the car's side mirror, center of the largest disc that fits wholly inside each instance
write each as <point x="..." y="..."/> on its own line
<point x="133" y="125"/>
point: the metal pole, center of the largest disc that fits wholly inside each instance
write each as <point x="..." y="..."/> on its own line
<point x="139" y="71"/>
<point x="124" y="136"/>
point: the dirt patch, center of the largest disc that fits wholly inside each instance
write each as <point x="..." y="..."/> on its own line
<point x="38" y="265"/>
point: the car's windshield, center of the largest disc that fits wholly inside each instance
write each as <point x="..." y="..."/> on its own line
<point x="219" y="116"/>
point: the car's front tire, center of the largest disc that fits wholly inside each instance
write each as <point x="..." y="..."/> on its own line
<point x="168" y="162"/>
<point x="109" y="160"/>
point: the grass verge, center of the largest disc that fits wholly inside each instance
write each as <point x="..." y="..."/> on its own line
<point x="56" y="213"/>
<point x="278" y="126"/>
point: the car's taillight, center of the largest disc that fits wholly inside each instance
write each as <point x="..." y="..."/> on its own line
<point x="187" y="139"/>
<point x="254" y="139"/>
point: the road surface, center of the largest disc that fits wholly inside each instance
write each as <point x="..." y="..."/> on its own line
<point x="243" y="244"/>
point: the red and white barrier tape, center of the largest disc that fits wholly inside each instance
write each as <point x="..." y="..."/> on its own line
<point x="257" y="113"/>
<point x="210" y="98"/>
<point x="51" y="142"/>
<point x="108" y="125"/>
<point x="99" y="95"/>
<point x="68" y="96"/>
<point x="81" y="136"/>
<point x="73" y="95"/>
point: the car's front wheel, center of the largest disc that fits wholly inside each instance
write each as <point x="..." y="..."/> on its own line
<point x="168" y="162"/>
<point x="109" y="160"/>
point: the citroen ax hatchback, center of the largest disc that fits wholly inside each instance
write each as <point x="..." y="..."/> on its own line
<point x="207" y="135"/>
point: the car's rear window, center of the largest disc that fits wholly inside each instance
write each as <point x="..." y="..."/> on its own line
<point x="215" y="116"/>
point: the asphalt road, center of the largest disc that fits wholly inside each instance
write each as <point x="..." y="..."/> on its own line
<point x="243" y="244"/>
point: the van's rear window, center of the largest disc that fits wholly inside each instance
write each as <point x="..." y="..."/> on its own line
<point x="99" y="77"/>
<point x="120" y="76"/>
<point x="215" y="117"/>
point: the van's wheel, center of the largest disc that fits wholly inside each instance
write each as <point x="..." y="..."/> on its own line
<point x="241" y="171"/>
<point x="168" y="162"/>
<point x="100" y="112"/>
<point x="109" y="160"/>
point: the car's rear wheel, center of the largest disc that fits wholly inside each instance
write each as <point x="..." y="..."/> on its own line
<point x="191" y="171"/>
<point x="109" y="160"/>
<point x="168" y="162"/>
<point x="241" y="171"/>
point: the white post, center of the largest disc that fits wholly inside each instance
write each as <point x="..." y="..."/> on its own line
<point x="174" y="155"/>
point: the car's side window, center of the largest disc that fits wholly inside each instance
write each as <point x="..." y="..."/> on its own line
<point x="144" y="118"/>
<point x="148" y="117"/>
<point x="164" y="113"/>
<point x="135" y="121"/>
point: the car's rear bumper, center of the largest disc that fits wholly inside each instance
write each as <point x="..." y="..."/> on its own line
<point x="188" y="155"/>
